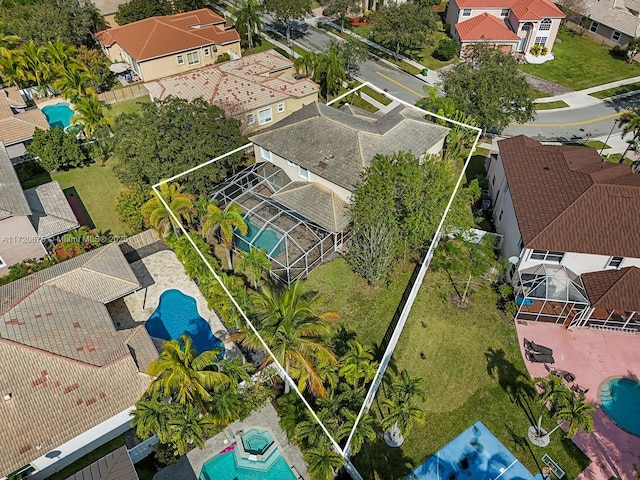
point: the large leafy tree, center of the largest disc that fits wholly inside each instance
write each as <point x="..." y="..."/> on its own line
<point x="135" y="10"/>
<point x="288" y="323"/>
<point x="97" y="64"/>
<point x="286" y="11"/>
<point x="224" y="221"/>
<point x="353" y="52"/>
<point x="55" y="150"/>
<point x="490" y="87"/>
<point x="129" y="204"/>
<point x="165" y="138"/>
<point x="403" y="26"/>
<point x="180" y="203"/>
<point x="248" y="21"/>
<point x="342" y="8"/>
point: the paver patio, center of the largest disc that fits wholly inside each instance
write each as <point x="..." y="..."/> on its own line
<point x="593" y="357"/>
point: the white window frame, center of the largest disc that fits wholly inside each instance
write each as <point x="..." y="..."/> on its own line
<point x="190" y="58"/>
<point x="615" y="36"/>
<point x="466" y="12"/>
<point x="549" y="256"/>
<point x="2" y="263"/>
<point x="251" y="118"/>
<point x="280" y="107"/>
<point x="504" y="12"/>
<point x="265" y="154"/>
<point x="180" y="59"/>
<point x="261" y="119"/>
<point x="594" y="26"/>
<point x="303" y="173"/>
<point x="545" y="25"/>
<point x="615" y="262"/>
<point x="541" y="41"/>
<point x="207" y="52"/>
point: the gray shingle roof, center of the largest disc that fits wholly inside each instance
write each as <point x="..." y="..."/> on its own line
<point x="116" y="465"/>
<point x="52" y="214"/>
<point x="614" y="14"/>
<point x="315" y="202"/>
<point x="336" y="144"/>
<point x="12" y="200"/>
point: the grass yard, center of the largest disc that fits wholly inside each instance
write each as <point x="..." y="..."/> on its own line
<point x="97" y="187"/>
<point x="471" y="358"/>
<point x="551" y="105"/>
<point x="582" y="63"/>
<point x="128" y="106"/>
<point x="610" y="92"/>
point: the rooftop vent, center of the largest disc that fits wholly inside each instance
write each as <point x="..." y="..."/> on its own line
<point x="329" y="157"/>
<point x="8" y="397"/>
<point x="546" y="168"/>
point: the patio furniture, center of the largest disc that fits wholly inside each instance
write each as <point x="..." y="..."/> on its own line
<point x="578" y="389"/>
<point x="525" y="301"/>
<point x="531" y="345"/>
<point x="539" y="357"/>
<point x="568" y="376"/>
<point x="552" y="466"/>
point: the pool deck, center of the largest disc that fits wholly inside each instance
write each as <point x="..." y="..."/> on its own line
<point x="593" y="357"/>
<point x="189" y="466"/>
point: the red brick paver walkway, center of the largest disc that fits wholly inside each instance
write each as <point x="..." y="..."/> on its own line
<point x="593" y="357"/>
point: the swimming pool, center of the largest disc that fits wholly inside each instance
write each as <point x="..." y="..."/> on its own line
<point x="619" y="398"/>
<point x="58" y="115"/>
<point x="176" y="314"/>
<point x="268" y="240"/>
<point x="476" y="454"/>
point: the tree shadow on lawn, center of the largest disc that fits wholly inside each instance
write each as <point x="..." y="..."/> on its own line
<point x="513" y="381"/>
<point x="378" y="461"/>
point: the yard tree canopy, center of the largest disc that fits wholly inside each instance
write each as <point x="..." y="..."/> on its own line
<point x="403" y="26"/>
<point x="341" y="7"/>
<point x="490" y="87"/>
<point x="286" y="11"/>
<point x="168" y="137"/>
<point x="55" y="150"/>
<point x="135" y="10"/>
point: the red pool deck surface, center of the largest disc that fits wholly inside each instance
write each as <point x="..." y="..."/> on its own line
<point x="593" y="357"/>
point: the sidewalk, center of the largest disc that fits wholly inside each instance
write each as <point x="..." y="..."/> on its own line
<point x="582" y="98"/>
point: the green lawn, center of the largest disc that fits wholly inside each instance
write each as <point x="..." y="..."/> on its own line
<point x="97" y="188"/>
<point x="457" y="346"/>
<point x="88" y="459"/>
<point x="582" y="63"/>
<point x="610" y="92"/>
<point x="551" y="105"/>
<point x="128" y="106"/>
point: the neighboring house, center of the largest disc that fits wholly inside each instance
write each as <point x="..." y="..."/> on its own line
<point x="17" y="123"/>
<point x="613" y="22"/>
<point x="258" y="89"/>
<point x="158" y="47"/>
<point x="308" y="165"/>
<point x="69" y="377"/>
<point x="29" y="219"/>
<point x="571" y="228"/>
<point x="514" y="26"/>
<point x="116" y="465"/>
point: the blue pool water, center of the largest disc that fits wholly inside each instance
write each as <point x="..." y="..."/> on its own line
<point x="476" y="454"/>
<point x="176" y="314"/>
<point x="267" y="240"/>
<point x="224" y="467"/>
<point x="619" y="398"/>
<point x="58" y="115"/>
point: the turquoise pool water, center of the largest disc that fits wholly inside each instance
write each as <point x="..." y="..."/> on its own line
<point x="224" y="467"/>
<point x="58" y="115"/>
<point x="620" y="398"/>
<point x="268" y="240"/>
<point x="176" y="314"/>
<point x="476" y="454"/>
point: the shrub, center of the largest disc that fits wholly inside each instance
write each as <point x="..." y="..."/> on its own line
<point x="128" y="207"/>
<point x="619" y="53"/>
<point x="536" y="50"/>
<point x="223" y="58"/>
<point x="446" y="49"/>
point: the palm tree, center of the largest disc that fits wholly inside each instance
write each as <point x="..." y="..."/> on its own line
<point x="248" y="17"/>
<point x="225" y="406"/>
<point x="7" y="42"/>
<point x="307" y="61"/>
<point x="180" y="203"/>
<point x="61" y="55"/>
<point x="357" y="363"/>
<point x="224" y="221"/>
<point x="408" y="387"/>
<point x="193" y="265"/>
<point x="630" y="122"/>
<point x="184" y="375"/>
<point x="89" y="114"/>
<point x="219" y="301"/>
<point x="365" y="432"/>
<point x="75" y="83"/>
<point x="293" y="331"/>
<point x="150" y="418"/>
<point x="330" y="71"/>
<point x="37" y="69"/>
<point x="578" y="414"/>
<point x="255" y="261"/>
<point x="13" y="68"/>
<point x="323" y="461"/>
<point x="188" y="426"/>
<point x="553" y="392"/>
<point x="399" y="419"/>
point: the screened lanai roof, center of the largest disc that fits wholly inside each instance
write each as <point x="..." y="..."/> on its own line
<point x="294" y="243"/>
<point x="552" y="282"/>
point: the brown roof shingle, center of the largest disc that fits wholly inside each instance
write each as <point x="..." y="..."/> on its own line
<point x="614" y="289"/>
<point x="567" y="199"/>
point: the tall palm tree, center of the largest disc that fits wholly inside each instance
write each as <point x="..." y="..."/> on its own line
<point x="248" y="20"/>
<point x="89" y="114"/>
<point x="184" y="375"/>
<point x="61" y="55"/>
<point x="554" y="392"/>
<point x="8" y="42"/>
<point x="577" y="412"/>
<point x="323" y="461"/>
<point x="224" y="221"/>
<point x="180" y="203"/>
<point x="293" y="331"/>
<point x="150" y="418"/>
<point x="357" y="363"/>
<point x="37" y="69"/>
<point x="218" y="300"/>
<point x="307" y="61"/>
<point x="330" y="71"/>
<point x="255" y="262"/>
<point x="13" y="68"/>
<point x="408" y="387"/>
<point x="75" y="83"/>
<point x="399" y="419"/>
<point x="188" y="426"/>
<point x="630" y="122"/>
<point x="225" y="406"/>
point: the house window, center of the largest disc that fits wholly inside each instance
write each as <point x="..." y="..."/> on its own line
<point x="280" y="107"/>
<point x="207" y="52"/>
<point x="193" y="58"/>
<point x="251" y="119"/>
<point x="615" y="36"/>
<point x="504" y="12"/>
<point x="506" y="188"/>
<point x="266" y="154"/>
<point x="547" y="256"/>
<point x="466" y="12"/>
<point x="265" y="116"/>
<point x="303" y="173"/>
<point x="594" y="27"/>
<point x="2" y="263"/>
<point x="180" y="60"/>
<point x="493" y="181"/>
<point x="541" y="41"/>
<point x="500" y="216"/>
<point x="521" y="244"/>
<point x="615" y="262"/>
<point x="545" y="24"/>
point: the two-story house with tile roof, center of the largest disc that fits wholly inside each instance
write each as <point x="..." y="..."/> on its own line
<point x="571" y="227"/>
<point x="258" y="89"/>
<point x="17" y="122"/>
<point x="513" y="26"/>
<point x="158" y="47"/>
<point x="612" y="22"/>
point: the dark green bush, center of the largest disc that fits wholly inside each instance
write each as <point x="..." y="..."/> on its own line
<point x="446" y="49"/>
<point x="618" y="52"/>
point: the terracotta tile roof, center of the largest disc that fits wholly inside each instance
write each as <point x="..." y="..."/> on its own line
<point x="52" y="214"/>
<point x="614" y="289"/>
<point x="523" y="9"/>
<point x="566" y="199"/>
<point x="485" y="27"/>
<point x="238" y="86"/>
<point x="12" y="199"/>
<point x="18" y="125"/>
<point x="160" y="36"/>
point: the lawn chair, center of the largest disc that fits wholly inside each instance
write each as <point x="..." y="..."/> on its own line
<point x="531" y="345"/>
<point x="578" y="389"/>
<point x="539" y="357"/>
